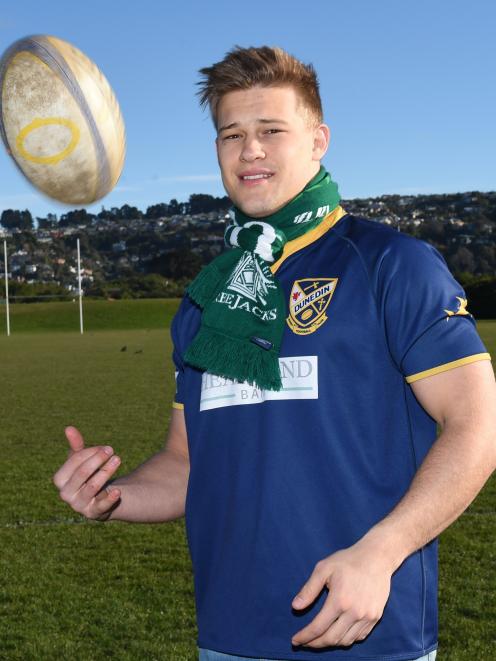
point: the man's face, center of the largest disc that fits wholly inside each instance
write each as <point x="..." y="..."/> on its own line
<point x="267" y="147"/>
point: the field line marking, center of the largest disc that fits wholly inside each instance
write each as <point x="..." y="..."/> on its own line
<point x="83" y="521"/>
<point x="49" y="522"/>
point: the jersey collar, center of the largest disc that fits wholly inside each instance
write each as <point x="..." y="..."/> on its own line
<point x="306" y="239"/>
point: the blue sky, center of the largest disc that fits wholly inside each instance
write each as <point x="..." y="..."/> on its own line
<point x="408" y="88"/>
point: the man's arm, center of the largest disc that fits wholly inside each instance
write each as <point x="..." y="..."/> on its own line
<point x="463" y="402"/>
<point x="154" y="492"/>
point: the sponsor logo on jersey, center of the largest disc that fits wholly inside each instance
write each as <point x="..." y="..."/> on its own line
<point x="308" y="302"/>
<point x="462" y="308"/>
<point x="299" y="376"/>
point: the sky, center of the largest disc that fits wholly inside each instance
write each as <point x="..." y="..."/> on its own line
<point x="408" y="88"/>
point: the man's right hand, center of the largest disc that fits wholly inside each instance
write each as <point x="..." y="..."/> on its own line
<point x="81" y="479"/>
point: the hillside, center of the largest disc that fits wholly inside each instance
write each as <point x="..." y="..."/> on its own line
<point x="128" y="253"/>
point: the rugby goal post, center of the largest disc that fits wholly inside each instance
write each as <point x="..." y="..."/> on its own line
<point x="7" y="298"/>
<point x="7" y="309"/>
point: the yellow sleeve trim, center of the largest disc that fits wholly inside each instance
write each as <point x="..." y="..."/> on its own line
<point x="177" y="405"/>
<point x="448" y="366"/>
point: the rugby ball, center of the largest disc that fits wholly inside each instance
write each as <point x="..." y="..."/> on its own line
<point x="60" y="120"/>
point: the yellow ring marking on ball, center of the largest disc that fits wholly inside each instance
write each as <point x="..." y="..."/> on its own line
<point x="38" y="123"/>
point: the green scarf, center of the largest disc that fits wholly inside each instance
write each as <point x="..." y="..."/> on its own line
<point x="243" y="304"/>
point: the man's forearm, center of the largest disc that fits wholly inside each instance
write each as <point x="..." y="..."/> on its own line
<point x="155" y="491"/>
<point x="452" y="474"/>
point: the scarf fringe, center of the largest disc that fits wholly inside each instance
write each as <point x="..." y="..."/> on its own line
<point x="229" y="357"/>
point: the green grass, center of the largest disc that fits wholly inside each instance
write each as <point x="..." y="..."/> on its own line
<point x="59" y="317"/>
<point x="86" y="591"/>
<point x="77" y="590"/>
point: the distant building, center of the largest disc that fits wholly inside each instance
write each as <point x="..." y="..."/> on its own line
<point x="120" y="246"/>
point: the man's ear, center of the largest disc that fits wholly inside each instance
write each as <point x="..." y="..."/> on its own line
<point x="321" y="139"/>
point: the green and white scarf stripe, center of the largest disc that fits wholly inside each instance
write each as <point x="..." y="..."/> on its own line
<point x="256" y="236"/>
<point x="243" y="304"/>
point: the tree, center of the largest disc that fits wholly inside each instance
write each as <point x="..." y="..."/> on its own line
<point x="115" y="213"/>
<point x="177" y="264"/>
<point x="481" y="296"/>
<point x="130" y="213"/>
<point x="462" y="260"/>
<point x="48" y="223"/>
<point x="26" y="220"/>
<point x="104" y="214"/>
<point x="431" y="230"/>
<point x="201" y="203"/>
<point x="12" y="219"/>
<point x="174" y="207"/>
<point x="157" y="211"/>
<point x="76" y="217"/>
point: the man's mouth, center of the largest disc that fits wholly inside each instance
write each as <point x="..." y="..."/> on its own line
<point x="255" y="176"/>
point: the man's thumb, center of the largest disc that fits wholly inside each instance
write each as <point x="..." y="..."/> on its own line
<point x="310" y="591"/>
<point x="75" y="438"/>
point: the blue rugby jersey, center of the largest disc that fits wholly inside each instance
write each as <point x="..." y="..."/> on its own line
<point x="280" y="480"/>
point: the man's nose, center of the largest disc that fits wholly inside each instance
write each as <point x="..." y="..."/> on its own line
<point x="252" y="149"/>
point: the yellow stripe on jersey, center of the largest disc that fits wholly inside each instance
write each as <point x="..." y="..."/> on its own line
<point x="448" y="366"/>
<point x="308" y="238"/>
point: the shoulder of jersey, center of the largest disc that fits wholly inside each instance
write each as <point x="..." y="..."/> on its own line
<point x="372" y="239"/>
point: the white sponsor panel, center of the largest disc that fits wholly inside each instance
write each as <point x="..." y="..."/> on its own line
<point x="299" y="375"/>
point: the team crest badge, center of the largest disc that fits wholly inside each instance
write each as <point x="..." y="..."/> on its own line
<point x="308" y="302"/>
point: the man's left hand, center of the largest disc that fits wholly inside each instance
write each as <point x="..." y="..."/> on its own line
<point x="359" y="580"/>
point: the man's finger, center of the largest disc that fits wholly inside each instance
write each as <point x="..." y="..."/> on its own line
<point x="320" y="623"/>
<point x="104" y="503"/>
<point x="75" y="438"/>
<point x="83" y="499"/>
<point x="65" y="472"/>
<point x="84" y="471"/>
<point x="343" y="632"/>
<point x="97" y="481"/>
<point x="365" y="631"/>
<point x="353" y="634"/>
<point x="312" y="588"/>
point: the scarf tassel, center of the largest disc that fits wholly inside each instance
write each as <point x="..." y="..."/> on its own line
<point x="228" y="356"/>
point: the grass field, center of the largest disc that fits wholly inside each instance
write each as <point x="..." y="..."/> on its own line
<point x="98" y="315"/>
<point x="77" y="590"/>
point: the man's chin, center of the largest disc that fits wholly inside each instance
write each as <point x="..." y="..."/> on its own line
<point x="256" y="209"/>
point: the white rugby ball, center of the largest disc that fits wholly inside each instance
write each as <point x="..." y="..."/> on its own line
<point x="60" y="120"/>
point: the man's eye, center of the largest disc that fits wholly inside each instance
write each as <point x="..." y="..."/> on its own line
<point x="231" y="137"/>
<point x="273" y="131"/>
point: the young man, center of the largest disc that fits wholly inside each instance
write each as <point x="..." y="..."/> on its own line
<point x="313" y="361"/>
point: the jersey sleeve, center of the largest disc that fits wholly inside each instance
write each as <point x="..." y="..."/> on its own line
<point x="424" y="312"/>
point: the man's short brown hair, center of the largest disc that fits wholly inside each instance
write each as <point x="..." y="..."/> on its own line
<point x="243" y="68"/>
